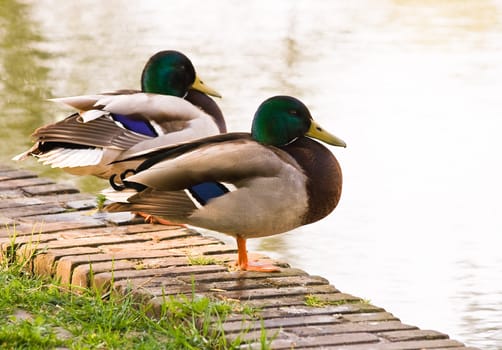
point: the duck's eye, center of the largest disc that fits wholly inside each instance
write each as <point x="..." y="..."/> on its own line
<point x="293" y="111"/>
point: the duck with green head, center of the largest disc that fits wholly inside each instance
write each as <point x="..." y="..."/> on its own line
<point x="171" y="107"/>
<point x="246" y="185"/>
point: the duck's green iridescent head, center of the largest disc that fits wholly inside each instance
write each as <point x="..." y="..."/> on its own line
<point x="172" y="73"/>
<point x="282" y="119"/>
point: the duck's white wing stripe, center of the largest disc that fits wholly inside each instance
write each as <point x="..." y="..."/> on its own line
<point x="118" y="196"/>
<point x="69" y="158"/>
<point x="92" y="114"/>
<point x="52" y="156"/>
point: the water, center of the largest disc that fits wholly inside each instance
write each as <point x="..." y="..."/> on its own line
<point x="412" y="86"/>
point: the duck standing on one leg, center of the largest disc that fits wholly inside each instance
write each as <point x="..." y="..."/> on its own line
<point x="172" y="107"/>
<point x="246" y="185"/>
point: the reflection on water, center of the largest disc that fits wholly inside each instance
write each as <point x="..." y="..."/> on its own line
<point x="413" y="86"/>
<point x="480" y="307"/>
<point x="23" y="76"/>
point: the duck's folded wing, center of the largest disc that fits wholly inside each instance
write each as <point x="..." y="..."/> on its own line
<point x="146" y="113"/>
<point x="102" y="132"/>
<point x="235" y="161"/>
<point x="135" y="105"/>
<point x="172" y="204"/>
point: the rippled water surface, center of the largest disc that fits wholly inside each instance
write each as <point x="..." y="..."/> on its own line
<point x="413" y="86"/>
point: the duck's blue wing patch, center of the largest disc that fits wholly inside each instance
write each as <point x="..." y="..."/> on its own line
<point x="140" y="126"/>
<point x="207" y="190"/>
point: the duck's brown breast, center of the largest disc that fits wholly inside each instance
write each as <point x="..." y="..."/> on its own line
<point x="324" y="184"/>
<point x="208" y="105"/>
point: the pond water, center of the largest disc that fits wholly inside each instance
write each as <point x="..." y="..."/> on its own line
<point x="413" y="87"/>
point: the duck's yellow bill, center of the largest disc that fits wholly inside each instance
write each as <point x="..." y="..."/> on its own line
<point x="319" y="133"/>
<point x="200" y="86"/>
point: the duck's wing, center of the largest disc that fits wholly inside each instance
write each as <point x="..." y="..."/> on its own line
<point x="175" y="198"/>
<point x="125" y="120"/>
<point x="145" y="114"/>
<point x="228" y="158"/>
<point x="162" y="109"/>
<point x="82" y="143"/>
<point x="168" y="150"/>
<point x="102" y="132"/>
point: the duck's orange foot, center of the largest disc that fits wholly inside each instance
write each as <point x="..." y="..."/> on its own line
<point x="150" y="219"/>
<point x="245" y="265"/>
<point x="256" y="266"/>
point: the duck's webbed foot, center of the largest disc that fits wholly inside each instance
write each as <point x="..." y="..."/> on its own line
<point x="242" y="260"/>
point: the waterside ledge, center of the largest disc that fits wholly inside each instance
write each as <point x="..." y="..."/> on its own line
<point x="85" y="248"/>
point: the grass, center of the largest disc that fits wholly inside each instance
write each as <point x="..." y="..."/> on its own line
<point x="52" y="316"/>
<point x="313" y="300"/>
<point x="100" y="201"/>
<point x="202" y="260"/>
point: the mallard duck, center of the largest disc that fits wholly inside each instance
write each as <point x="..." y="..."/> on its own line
<point x="171" y="107"/>
<point x="246" y="185"/>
